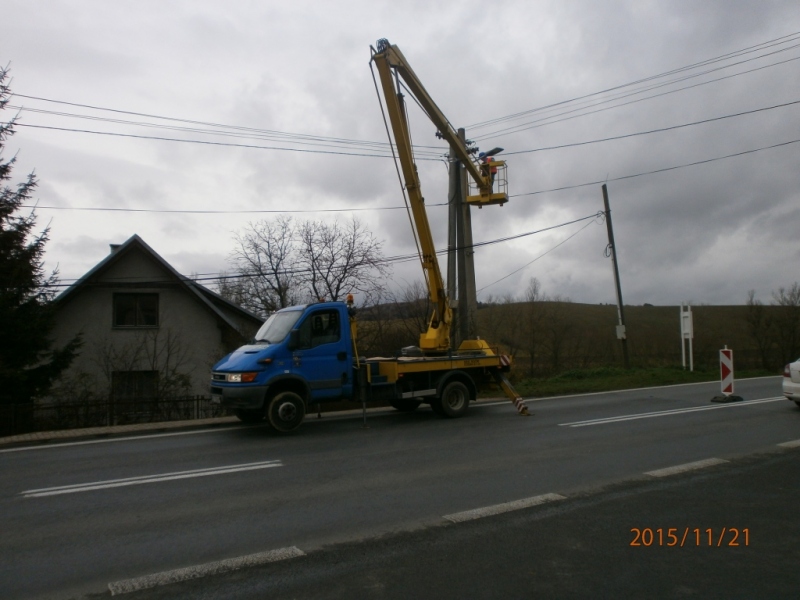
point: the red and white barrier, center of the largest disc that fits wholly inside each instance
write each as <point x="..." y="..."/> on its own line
<point x="726" y="370"/>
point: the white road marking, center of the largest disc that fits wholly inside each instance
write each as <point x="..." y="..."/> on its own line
<point x="213" y="568"/>
<point x="112" y="483"/>
<point x="48" y="446"/>
<point x="641" y="389"/>
<point x="666" y="413"/>
<point x="692" y="466"/>
<point x="792" y="444"/>
<point x="477" y="513"/>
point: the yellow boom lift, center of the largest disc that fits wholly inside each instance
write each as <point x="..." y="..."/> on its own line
<point x="393" y="67"/>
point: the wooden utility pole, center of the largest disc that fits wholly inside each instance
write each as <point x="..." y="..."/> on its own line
<point x="621" y="333"/>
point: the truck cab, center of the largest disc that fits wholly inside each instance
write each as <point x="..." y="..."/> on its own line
<point x="300" y="356"/>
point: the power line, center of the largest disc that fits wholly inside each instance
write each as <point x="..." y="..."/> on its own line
<point x="296" y="139"/>
<point x="270" y="132"/>
<point x="210" y="143"/>
<point x="550" y="120"/>
<point x="389" y="260"/>
<point x="768" y="44"/>
<point x="659" y="130"/>
<point x="538" y="192"/>
<point x="599" y="215"/>
<point x="217" y="212"/>
<point x="665" y="169"/>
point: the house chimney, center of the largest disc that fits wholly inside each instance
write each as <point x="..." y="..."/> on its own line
<point x="114" y="248"/>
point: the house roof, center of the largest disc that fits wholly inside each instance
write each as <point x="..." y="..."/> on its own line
<point x="208" y="298"/>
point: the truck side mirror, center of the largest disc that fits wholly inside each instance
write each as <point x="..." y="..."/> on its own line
<point x="294" y="339"/>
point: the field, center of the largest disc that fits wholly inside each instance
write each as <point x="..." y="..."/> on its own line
<point x="556" y="344"/>
<point x="602" y="379"/>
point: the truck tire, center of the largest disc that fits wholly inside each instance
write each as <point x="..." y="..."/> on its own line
<point x="286" y="411"/>
<point x="250" y="415"/>
<point x="454" y="400"/>
<point x="404" y="404"/>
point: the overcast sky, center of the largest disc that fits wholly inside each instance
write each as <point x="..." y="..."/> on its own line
<point x="700" y="234"/>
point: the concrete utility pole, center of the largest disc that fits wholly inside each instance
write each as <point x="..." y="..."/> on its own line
<point x="621" y="333"/>
<point x="460" y="261"/>
<point x="453" y="205"/>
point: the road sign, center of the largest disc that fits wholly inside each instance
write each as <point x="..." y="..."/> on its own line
<point x="726" y="370"/>
<point x="687" y="333"/>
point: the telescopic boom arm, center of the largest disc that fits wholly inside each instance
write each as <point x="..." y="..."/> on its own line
<point x="392" y="66"/>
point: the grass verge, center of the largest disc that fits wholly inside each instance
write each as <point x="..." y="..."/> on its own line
<point x="606" y="379"/>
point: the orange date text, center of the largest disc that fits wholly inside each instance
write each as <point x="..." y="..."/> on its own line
<point x="681" y="537"/>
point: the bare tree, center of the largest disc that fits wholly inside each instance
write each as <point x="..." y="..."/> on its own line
<point x="557" y="330"/>
<point x="336" y="260"/>
<point x="412" y="306"/>
<point x="787" y="321"/>
<point x="160" y="351"/>
<point x="277" y="264"/>
<point x="532" y="320"/>
<point x="760" y="327"/>
<point x="265" y="261"/>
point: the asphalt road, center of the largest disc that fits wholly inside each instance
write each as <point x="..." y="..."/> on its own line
<point x="722" y="532"/>
<point x="78" y="516"/>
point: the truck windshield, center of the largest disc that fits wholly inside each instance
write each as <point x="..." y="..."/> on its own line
<point x="277" y="327"/>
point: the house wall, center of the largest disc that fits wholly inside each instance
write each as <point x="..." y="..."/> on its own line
<point x="189" y="336"/>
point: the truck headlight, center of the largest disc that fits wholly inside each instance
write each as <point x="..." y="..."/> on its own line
<point x="241" y="377"/>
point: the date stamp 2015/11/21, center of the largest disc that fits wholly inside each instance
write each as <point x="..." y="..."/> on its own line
<point x="724" y="537"/>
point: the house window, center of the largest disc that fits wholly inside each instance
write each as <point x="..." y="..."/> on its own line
<point x="135" y="310"/>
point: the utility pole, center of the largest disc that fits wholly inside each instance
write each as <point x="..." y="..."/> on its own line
<point x="453" y="205"/>
<point x="621" y="333"/>
<point x="467" y="295"/>
<point x="461" y="287"/>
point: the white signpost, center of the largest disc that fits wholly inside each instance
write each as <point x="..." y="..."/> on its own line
<point x="687" y="333"/>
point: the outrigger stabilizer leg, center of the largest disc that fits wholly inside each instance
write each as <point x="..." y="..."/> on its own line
<point x="509" y="390"/>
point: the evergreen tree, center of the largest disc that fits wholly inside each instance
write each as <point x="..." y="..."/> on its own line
<point x="28" y="365"/>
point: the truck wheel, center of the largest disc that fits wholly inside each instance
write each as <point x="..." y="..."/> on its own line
<point x="286" y="411"/>
<point x="454" y="400"/>
<point x="405" y="405"/>
<point x="250" y="415"/>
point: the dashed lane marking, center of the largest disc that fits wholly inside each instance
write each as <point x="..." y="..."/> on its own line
<point x="692" y="466"/>
<point x="127" y="438"/>
<point x="666" y="413"/>
<point x="112" y="483"/>
<point x="213" y="568"/>
<point x="792" y="444"/>
<point x="477" y="513"/>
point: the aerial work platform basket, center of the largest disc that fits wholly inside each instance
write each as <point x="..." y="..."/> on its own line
<point x="499" y="189"/>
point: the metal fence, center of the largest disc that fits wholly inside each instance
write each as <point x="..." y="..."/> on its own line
<point x="30" y="417"/>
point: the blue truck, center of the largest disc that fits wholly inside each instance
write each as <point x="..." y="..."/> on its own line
<point x="306" y="355"/>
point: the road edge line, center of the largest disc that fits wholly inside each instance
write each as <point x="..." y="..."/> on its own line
<point x="135" y="584"/>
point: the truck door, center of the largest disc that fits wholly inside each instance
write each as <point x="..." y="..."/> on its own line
<point x="322" y="357"/>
